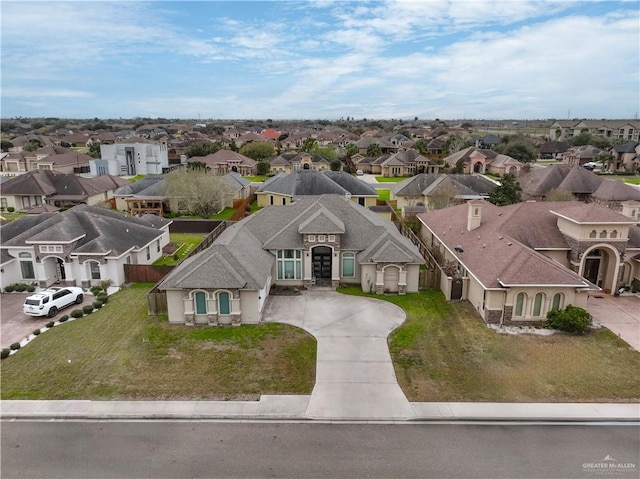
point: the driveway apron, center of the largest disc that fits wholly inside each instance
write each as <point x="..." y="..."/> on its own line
<point x="354" y="373"/>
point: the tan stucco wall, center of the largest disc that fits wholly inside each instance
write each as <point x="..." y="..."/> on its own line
<point x="175" y="307"/>
<point x="249" y="305"/>
<point x="475" y="294"/>
<point x="368" y="278"/>
<point x="264" y="199"/>
<point x="413" y="278"/>
<point x="558" y="255"/>
<point x="570" y="297"/>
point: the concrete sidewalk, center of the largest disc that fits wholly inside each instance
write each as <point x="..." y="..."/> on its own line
<point x="291" y="408"/>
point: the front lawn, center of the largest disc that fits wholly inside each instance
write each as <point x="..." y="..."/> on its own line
<point x="120" y="353"/>
<point x="390" y="179"/>
<point x="256" y="179"/>
<point x="444" y="352"/>
<point x="384" y="194"/>
<point x="225" y="214"/>
<point x="185" y="242"/>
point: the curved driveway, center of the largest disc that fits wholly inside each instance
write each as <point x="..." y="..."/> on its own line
<point x="354" y="374"/>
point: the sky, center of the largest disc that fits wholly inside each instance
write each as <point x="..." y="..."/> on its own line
<point x="455" y="59"/>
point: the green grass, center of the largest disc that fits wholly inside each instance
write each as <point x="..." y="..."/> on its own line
<point x="137" y="178"/>
<point x="185" y="242"/>
<point x="444" y="352"/>
<point x="223" y="215"/>
<point x="120" y="353"/>
<point x="632" y="181"/>
<point x="384" y="194"/>
<point x="390" y="179"/>
<point x="254" y="207"/>
<point x="12" y="216"/>
<point x="256" y="179"/>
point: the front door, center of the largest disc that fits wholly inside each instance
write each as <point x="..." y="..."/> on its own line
<point x="60" y="272"/>
<point x="322" y="262"/>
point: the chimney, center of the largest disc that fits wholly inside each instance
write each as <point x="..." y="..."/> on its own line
<point x="474" y="214"/>
<point x="631" y="209"/>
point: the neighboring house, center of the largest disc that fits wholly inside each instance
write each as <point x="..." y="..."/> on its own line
<point x="284" y="189"/>
<point x="148" y="196"/>
<point x="57" y="189"/>
<point x="226" y="161"/>
<point x="19" y="141"/>
<point x="579" y="155"/>
<point x="553" y="150"/>
<point x="78" y="247"/>
<point x="386" y="146"/>
<point x="420" y="189"/>
<point x="474" y="160"/>
<point x="580" y="182"/>
<point x="51" y="157"/>
<point x="515" y="263"/>
<point x="309" y="161"/>
<point x="625" y="157"/>
<point x="318" y="239"/>
<point x="131" y="157"/>
<point x="487" y="142"/>
<point x="282" y="163"/>
<point x="406" y="163"/>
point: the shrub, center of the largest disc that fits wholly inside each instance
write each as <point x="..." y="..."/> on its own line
<point x="21" y="287"/>
<point x="63" y="319"/>
<point x="102" y="297"/>
<point x="15" y="346"/>
<point x="50" y="324"/>
<point x="5" y="353"/>
<point x="105" y="284"/>
<point x="572" y="319"/>
<point x="11" y="209"/>
<point x="97" y="304"/>
<point x="88" y="309"/>
<point x="77" y="313"/>
<point x="36" y="332"/>
<point x="31" y="288"/>
<point x="9" y="289"/>
<point x="95" y="289"/>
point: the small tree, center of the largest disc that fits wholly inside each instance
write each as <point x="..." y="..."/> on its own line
<point x="443" y="197"/>
<point x="508" y="193"/>
<point x="203" y="193"/>
<point x="94" y="150"/>
<point x="374" y="150"/>
<point x="263" y="167"/>
<point x="258" y="150"/>
<point x="335" y="165"/>
<point x="203" y="148"/>
<point x="5" y="145"/>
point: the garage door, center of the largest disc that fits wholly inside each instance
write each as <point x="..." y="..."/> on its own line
<point x="391" y="275"/>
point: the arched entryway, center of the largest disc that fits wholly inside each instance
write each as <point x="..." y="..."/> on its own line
<point x="600" y="266"/>
<point x="391" y="279"/>
<point x="513" y="170"/>
<point x="478" y="167"/>
<point x="321" y="258"/>
<point x="54" y="269"/>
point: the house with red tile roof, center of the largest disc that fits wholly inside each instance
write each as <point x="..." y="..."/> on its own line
<point x="515" y="263"/>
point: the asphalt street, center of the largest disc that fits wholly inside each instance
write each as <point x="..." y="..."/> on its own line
<point x="164" y="449"/>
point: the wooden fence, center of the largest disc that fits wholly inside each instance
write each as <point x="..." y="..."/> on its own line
<point x="145" y="273"/>
<point x="242" y="206"/>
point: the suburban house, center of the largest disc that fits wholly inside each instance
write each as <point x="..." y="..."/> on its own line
<point x="148" y="195"/>
<point x="284" y="189"/>
<point x="615" y="129"/>
<point x="475" y="160"/>
<point x="401" y="163"/>
<point x="625" y="157"/>
<point x="580" y="182"/>
<point x="226" y="161"/>
<point x="579" y="155"/>
<point x="515" y="263"/>
<point x="386" y="146"/>
<point x="78" y="247"/>
<point x="51" y="157"/>
<point x="553" y="150"/>
<point x="131" y="157"/>
<point x="289" y="162"/>
<point x="487" y="141"/>
<point x="39" y="187"/>
<point x="316" y="240"/>
<point x="431" y="190"/>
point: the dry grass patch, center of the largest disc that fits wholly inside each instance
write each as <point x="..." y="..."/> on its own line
<point x="444" y="352"/>
<point x="121" y="353"/>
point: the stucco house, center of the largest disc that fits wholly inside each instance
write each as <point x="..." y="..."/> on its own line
<point x="78" y="247"/>
<point x="423" y="189"/>
<point x="226" y="161"/>
<point x="283" y="189"/>
<point x="50" y="157"/>
<point x="315" y="240"/>
<point x="475" y="160"/>
<point x="131" y="157"/>
<point x="515" y="263"/>
<point x="39" y="187"/>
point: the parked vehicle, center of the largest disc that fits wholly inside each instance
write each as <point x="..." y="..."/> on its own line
<point x="52" y="300"/>
<point x="359" y="172"/>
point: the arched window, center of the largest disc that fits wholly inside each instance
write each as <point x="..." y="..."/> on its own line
<point x="94" y="269"/>
<point x="224" y="303"/>
<point x="538" y="301"/>
<point x="521" y="300"/>
<point x="592" y="234"/>
<point x="26" y="266"/>
<point x="558" y="301"/>
<point x="603" y="234"/>
<point x="200" y="302"/>
<point x="348" y="265"/>
<point x="614" y="234"/>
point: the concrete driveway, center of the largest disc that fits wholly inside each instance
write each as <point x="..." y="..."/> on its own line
<point x="619" y="314"/>
<point x="354" y="374"/>
<point x="15" y="325"/>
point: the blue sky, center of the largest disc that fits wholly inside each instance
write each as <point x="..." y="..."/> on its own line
<point x="321" y="60"/>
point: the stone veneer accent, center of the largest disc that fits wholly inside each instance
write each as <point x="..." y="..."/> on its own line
<point x="492" y="316"/>
<point x="579" y="247"/>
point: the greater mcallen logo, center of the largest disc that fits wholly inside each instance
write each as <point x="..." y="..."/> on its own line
<point x="610" y="465"/>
